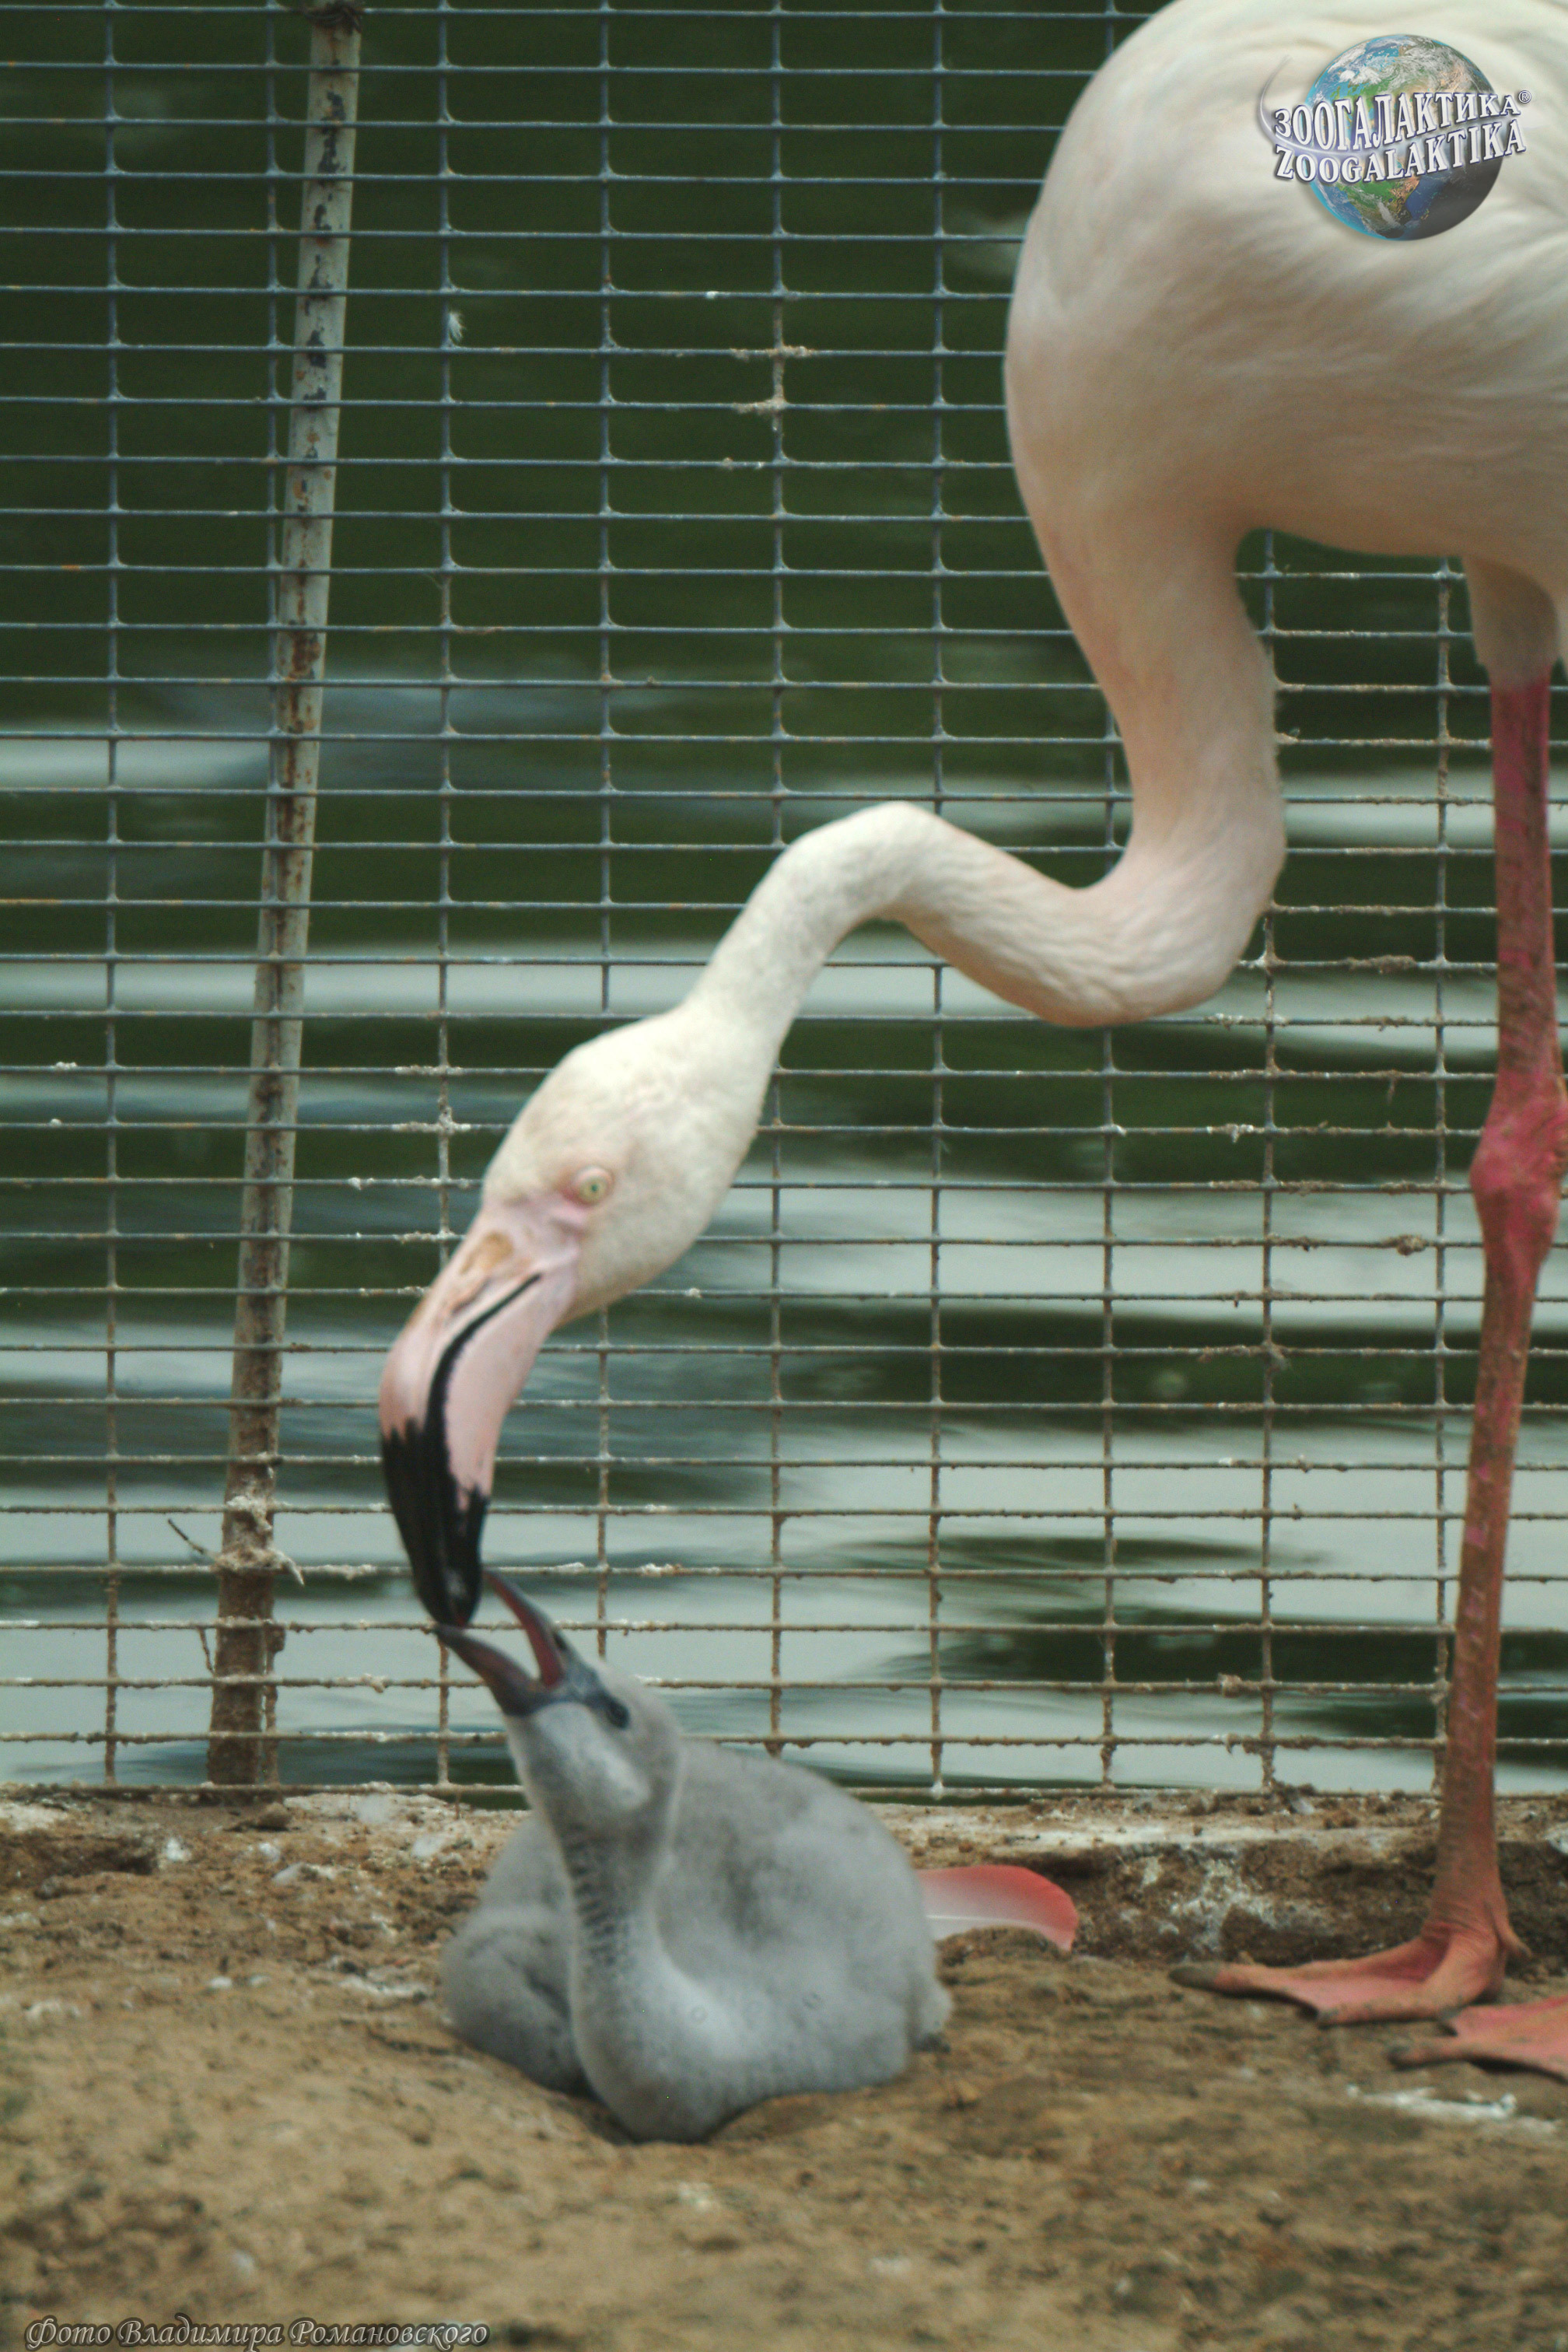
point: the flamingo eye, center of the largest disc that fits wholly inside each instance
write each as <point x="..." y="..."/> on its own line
<point x="590" y="1185"/>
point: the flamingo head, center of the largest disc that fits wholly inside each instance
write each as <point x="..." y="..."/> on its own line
<point x="597" y="1751"/>
<point x="611" y="1171"/>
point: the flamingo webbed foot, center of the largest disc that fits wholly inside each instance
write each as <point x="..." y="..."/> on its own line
<point x="1531" y="2033"/>
<point x="1442" y="1970"/>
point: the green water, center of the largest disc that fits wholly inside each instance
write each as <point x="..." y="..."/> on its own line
<point x="654" y="548"/>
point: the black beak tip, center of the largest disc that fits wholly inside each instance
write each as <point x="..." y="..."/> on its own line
<point x="440" y="1530"/>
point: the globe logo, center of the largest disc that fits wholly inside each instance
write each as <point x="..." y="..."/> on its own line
<point x="1401" y="137"/>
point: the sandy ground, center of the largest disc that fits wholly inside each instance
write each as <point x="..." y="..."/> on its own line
<point x="228" y="2090"/>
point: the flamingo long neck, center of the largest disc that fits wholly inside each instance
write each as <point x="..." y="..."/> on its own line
<point x="643" y="2025"/>
<point x="612" y="1899"/>
<point x="1161" y="930"/>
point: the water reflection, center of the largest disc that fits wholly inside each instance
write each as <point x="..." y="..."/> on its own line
<point x="590" y="658"/>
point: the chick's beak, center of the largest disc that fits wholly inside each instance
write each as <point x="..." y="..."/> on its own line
<point x="451" y="1377"/>
<point x="562" y="1674"/>
<point x="514" y="1691"/>
<point x="552" y="1653"/>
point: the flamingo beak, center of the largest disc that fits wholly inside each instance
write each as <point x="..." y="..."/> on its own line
<point x="454" y="1372"/>
<point x="562" y="1674"/>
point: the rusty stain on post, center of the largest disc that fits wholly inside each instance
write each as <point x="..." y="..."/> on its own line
<point x="242" y="1745"/>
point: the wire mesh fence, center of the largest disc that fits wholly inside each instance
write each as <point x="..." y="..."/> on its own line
<point x="1043" y="1405"/>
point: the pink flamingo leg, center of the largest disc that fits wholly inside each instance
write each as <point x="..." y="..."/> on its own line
<point x="1461" y="1952"/>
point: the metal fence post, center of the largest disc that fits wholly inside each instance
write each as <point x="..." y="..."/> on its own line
<point x="242" y="1745"/>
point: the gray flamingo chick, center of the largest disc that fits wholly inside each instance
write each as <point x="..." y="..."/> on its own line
<point x="684" y="1929"/>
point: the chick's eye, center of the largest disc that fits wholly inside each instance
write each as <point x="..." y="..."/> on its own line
<point x="616" y="1714"/>
<point x="590" y="1185"/>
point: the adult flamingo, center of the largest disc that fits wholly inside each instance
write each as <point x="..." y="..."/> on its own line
<point x="1193" y="350"/>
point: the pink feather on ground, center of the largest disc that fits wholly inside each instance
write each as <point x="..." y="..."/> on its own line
<point x="998" y="1894"/>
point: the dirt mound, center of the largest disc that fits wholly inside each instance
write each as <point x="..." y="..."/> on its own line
<point x="229" y="2091"/>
